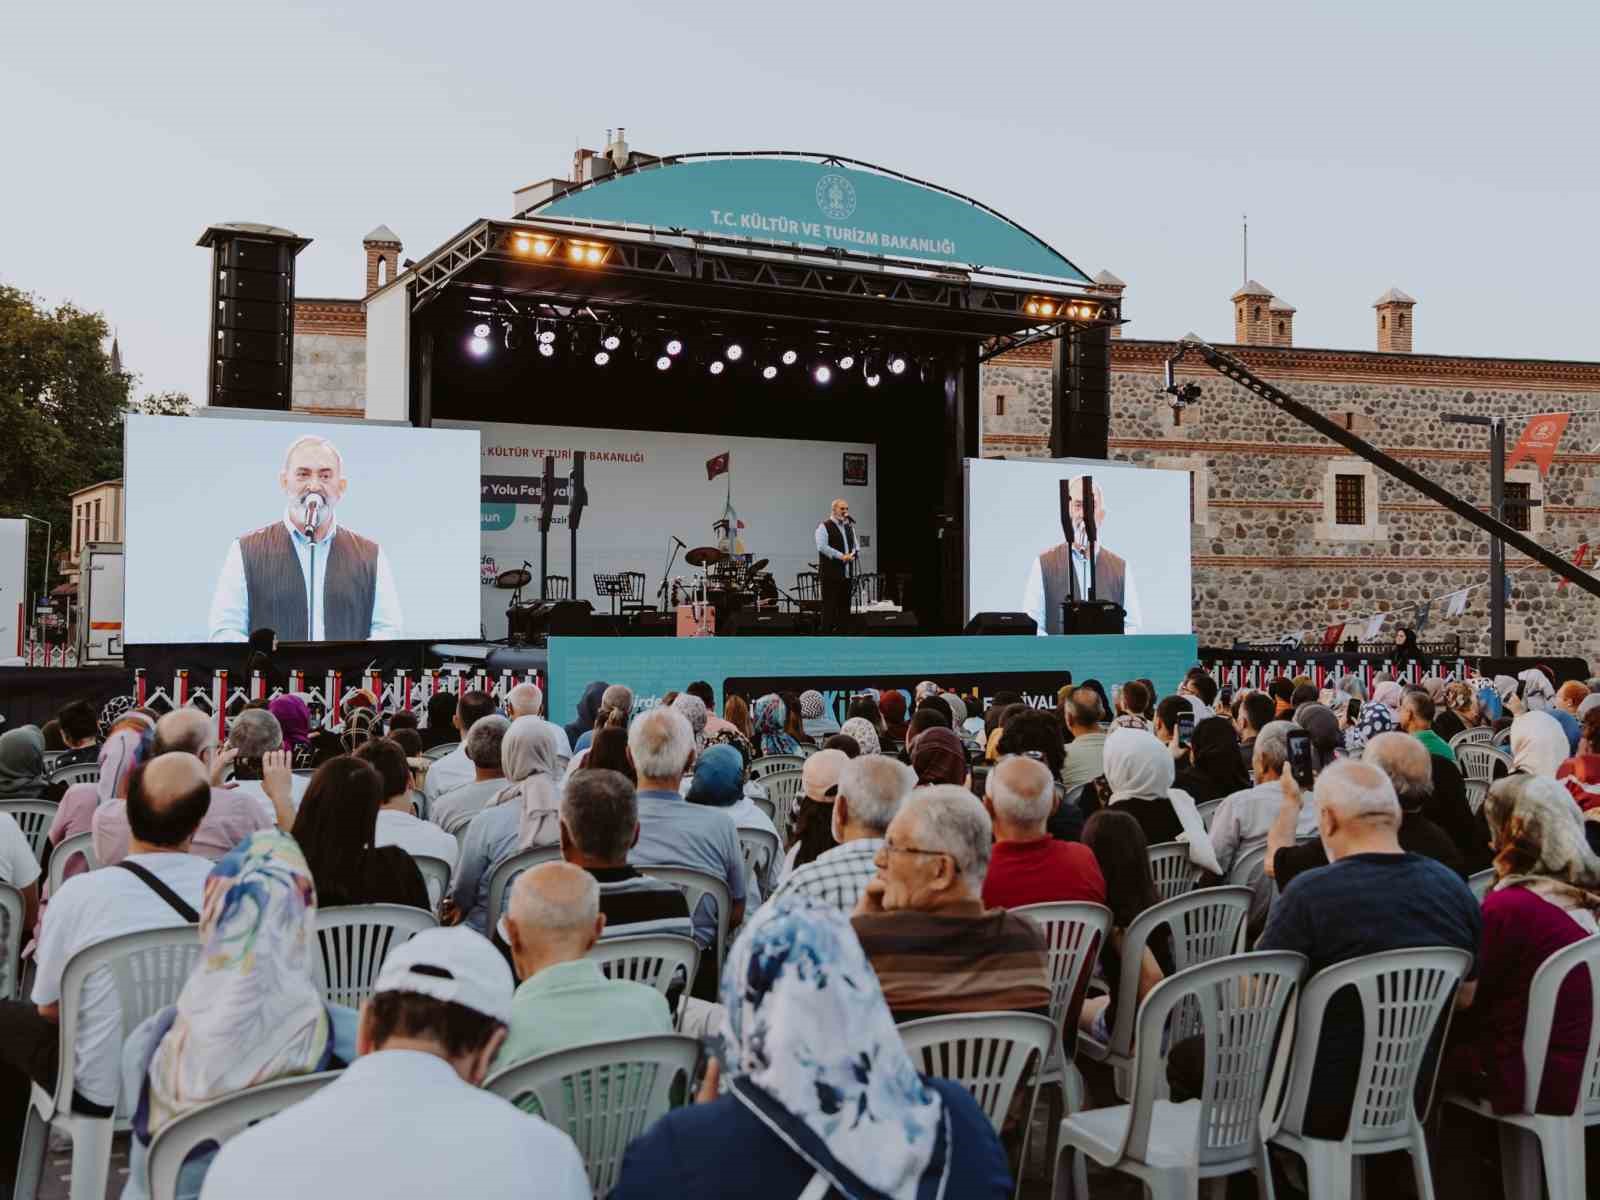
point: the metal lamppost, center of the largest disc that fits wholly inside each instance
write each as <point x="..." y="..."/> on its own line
<point x="48" y="532"/>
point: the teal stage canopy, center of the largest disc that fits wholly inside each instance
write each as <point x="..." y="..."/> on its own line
<point x="817" y="202"/>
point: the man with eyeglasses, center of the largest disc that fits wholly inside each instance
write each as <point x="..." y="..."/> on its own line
<point x="934" y="946"/>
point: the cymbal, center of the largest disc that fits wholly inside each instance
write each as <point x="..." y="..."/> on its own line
<point x="704" y="556"/>
<point x="514" y="578"/>
<point x="760" y="564"/>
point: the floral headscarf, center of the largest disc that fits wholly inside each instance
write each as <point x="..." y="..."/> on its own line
<point x="1375" y="719"/>
<point x="694" y="711"/>
<point x="1538" y="833"/>
<point x="21" y="763"/>
<point x="855" y="1109"/>
<point x="531" y="758"/>
<point x="250" y="1013"/>
<point x="769" y="715"/>
<point x="865" y="735"/>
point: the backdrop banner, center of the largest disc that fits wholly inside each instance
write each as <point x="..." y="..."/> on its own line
<point x="641" y="489"/>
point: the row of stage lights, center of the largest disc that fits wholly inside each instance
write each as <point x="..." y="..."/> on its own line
<point x="1073" y="310"/>
<point x="612" y="339"/>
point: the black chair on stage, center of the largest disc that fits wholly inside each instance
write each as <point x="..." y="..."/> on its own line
<point x="632" y="600"/>
<point x="557" y="587"/>
<point x="868" y="589"/>
<point x="808" y="592"/>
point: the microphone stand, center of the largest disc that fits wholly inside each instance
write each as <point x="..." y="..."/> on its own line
<point x="666" y="574"/>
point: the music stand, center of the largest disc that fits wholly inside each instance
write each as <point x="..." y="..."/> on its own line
<point x="616" y="587"/>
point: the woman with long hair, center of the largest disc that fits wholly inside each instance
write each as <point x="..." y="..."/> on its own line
<point x="736" y="711"/>
<point x="609" y="751"/>
<point x="793" y="723"/>
<point x="1216" y="768"/>
<point x="1120" y="848"/>
<point x="337" y="829"/>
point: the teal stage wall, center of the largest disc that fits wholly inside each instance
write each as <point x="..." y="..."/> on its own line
<point x="655" y="666"/>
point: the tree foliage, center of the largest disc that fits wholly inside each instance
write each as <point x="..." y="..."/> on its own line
<point x="166" y="404"/>
<point x="61" y="408"/>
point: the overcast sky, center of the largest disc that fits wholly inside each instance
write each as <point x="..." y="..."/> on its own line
<point x="1449" y="150"/>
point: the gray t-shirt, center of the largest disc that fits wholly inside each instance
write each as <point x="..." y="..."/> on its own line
<point x="455" y="808"/>
<point x="673" y="832"/>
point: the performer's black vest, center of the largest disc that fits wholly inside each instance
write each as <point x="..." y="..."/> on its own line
<point x="275" y="586"/>
<point x="1061" y="581"/>
<point x="833" y="566"/>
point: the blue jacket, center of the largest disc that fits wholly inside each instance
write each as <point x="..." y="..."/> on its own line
<point x="686" y="1153"/>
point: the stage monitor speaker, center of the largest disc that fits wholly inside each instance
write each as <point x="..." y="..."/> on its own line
<point x="570" y="618"/>
<point x="1092" y="616"/>
<point x="757" y="623"/>
<point x="1000" y="623"/>
<point x="1080" y="423"/>
<point x="884" y="624"/>
<point x="563" y="618"/>
<point x="252" y="316"/>
<point x="649" y="623"/>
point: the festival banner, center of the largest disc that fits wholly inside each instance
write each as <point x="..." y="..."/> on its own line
<point x="1539" y="441"/>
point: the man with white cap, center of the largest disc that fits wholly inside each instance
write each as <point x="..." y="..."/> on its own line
<point x="408" y="1116"/>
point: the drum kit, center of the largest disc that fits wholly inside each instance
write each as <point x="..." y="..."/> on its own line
<point x="727" y="583"/>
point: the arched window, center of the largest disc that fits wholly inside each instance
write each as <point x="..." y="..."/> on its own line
<point x="383" y="271"/>
<point x="1383" y="320"/>
<point x="1255" y="313"/>
<point x="1280" y="327"/>
<point x="1401" y="318"/>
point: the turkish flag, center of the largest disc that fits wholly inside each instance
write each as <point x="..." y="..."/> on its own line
<point x="1331" y="636"/>
<point x="1539" y="440"/>
<point x="717" y="466"/>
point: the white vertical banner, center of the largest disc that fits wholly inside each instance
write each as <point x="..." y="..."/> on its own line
<point x="13" y="587"/>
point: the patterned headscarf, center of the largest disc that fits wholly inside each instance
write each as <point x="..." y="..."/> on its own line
<point x="1375" y="719"/>
<point x="811" y="705"/>
<point x="958" y="708"/>
<point x="694" y="711"/>
<point x="865" y="735"/>
<point x="1389" y="693"/>
<point x="769" y="716"/>
<point x="531" y="758"/>
<point x="21" y="763"/>
<point x="1538" y="834"/>
<point x="855" y="1109"/>
<point x="250" y="1013"/>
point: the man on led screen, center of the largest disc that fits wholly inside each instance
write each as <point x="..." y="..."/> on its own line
<point x="304" y="575"/>
<point x="1062" y="572"/>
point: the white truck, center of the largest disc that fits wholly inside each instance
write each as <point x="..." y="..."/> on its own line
<point x="100" y="604"/>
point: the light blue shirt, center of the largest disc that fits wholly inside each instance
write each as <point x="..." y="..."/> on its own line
<point x="230" y="608"/>
<point x="492" y="838"/>
<point x="827" y="551"/>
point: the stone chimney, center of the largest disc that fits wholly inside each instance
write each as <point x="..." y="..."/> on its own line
<point x="1107" y="284"/>
<point x="383" y="257"/>
<point x="1281" y="314"/>
<point x="1252" y="318"/>
<point x="1394" y="321"/>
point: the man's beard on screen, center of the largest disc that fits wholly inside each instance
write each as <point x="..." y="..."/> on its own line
<point x="297" y="508"/>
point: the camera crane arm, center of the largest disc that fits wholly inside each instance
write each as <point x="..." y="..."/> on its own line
<point x="1225" y="364"/>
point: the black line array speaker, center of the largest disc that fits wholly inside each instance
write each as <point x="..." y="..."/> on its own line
<point x="252" y="316"/>
<point x="1000" y="623"/>
<point x="1081" y="422"/>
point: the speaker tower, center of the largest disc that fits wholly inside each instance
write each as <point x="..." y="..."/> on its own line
<point x="252" y="315"/>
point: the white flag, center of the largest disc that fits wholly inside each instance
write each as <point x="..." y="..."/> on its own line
<point x="1458" y="603"/>
<point x="1374" y="626"/>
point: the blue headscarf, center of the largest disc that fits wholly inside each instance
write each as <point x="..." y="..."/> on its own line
<point x="718" y="777"/>
<point x="854" y="1108"/>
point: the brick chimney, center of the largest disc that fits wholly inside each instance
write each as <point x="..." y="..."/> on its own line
<point x="383" y="257"/>
<point x="1281" y="313"/>
<point x="1252" y="321"/>
<point x="1107" y="284"/>
<point x="1394" y="321"/>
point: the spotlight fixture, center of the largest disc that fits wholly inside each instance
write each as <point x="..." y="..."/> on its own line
<point x="575" y="252"/>
<point x="663" y="362"/>
<point x="674" y="346"/>
<point x="522" y="243"/>
<point x="897" y="364"/>
<point x="611" y="339"/>
<point x="769" y="372"/>
<point x="601" y="358"/>
<point x="542" y="247"/>
<point x="846" y="361"/>
<point x="790" y="358"/>
<point x="823" y="373"/>
<point x="547" y="349"/>
<point x="716" y="367"/>
<point x="479" y="346"/>
<point x="480" y="331"/>
<point x="874" y="379"/>
<point x="592" y="255"/>
<point x="546" y="334"/>
<point x="734" y="352"/>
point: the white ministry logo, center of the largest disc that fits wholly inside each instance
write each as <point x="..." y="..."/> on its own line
<point x="836" y="197"/>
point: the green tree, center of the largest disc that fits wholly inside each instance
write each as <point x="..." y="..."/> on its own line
<point x="166" y="404"/>
<point x="61" y="409"/>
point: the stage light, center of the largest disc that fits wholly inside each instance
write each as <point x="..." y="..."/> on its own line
<point x="546" y="334"/>
<point x="612" y="340"/>
<point x="674" y="346"/>
<point x="542" y="247"/>
<point x="716" y="367"/>
<point x="734" y="352"/>
<point x="769" y="372"/>
<point x="592" y="255"/>
<point x="1090" y="312"/>
<point x="846" y="361"/>
<point x="479" y="346"/>
<point x="1033" y="308"/>
<point x="790" y="358"/>
<point x="663" y="362"/>
<point x="874" y="379"/>
<point x="521" y="243"/>
<point x="601" y="358"/>
<point x="512" y="336"/>
<point x="1047" y="309"/>
<point x="823" y="373"/>
<point x="480" y="331"/>
<point x="547" y="349"/>
<point x="897" y="365"/>
<point x="575" y="252"/>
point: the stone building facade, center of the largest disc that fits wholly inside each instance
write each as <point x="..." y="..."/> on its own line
<point x="1291" y="533"/>
<point x="330" y="338"/>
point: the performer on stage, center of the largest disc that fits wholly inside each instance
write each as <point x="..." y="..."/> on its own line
<point x="836" y="551"/>
<point x="1062" y="572"/>
<point x="263" y="584"/>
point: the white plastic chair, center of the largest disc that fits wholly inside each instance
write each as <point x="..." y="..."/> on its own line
<point x="78" y="843"/>
<point x="765" y="804"/>
<point x="12" y="909"/>
<point x="653" y="959"/>
<point x="1405" y="995"/>
<point x="34" y="818"/>
<point x="1477" y="761"/>
<point x="761" y="767"/>
<point x="1480" y="882"/>
<point x="149" y="969"/>
<point x="1248" y="867"/>
<point x="1170" y="1147"/>
<point x="1560" y="1138"/>
<point x="602" y="1095"/>
<point x="1502" y="739"/>
<point x="1478" y="733"/>
<point x="505" y="874"/>
<point x="441" y="751"/>
<point x="762" y="854"/>
<point x="784" y="789"/>
<point x="1171" y="869"/>
<point x="88" y="772"/>
<point x="1204" y="925"/>
<point x="436" y="874"/>
<point x="695" y="884"/>
<point x="353" y="940"/>
<point x="219" y="1121"/>
<point x="1207" y="811"/>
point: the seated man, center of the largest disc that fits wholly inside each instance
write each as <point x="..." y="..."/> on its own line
<point x="922" y="921"/>
<point x="398" y="824"/>
<point x="80" y="733"/>
<point x="1445" y="799"/>
<point x="408" y="1118"/>
<point x="551" y="924"/>
<point x="1084" y="762"/>
<point x="1373" y="896"/>
<point x="454" y="810"/>
<point x="599" y="826"/>
<point x="1027" y="865"/>
<point x="1255" y="714"/>
<point x="159" y="884"/>
<point x="253" y="735"/>
<point x="232" y="815"/>
<point x="869" y="793"/>
<point x="455" y="769"/>
<point x="1240" y="823"/>
<point x="527" y="700"/>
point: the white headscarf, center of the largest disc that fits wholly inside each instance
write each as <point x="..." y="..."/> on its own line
<point x="1389" y="694"/>
<point x="865" y="735"/>
<point x="1537" y="690"/>
<point x="1538" y="744"/>
<point x="530" y="756"/>
<point x="1138" y="766"/>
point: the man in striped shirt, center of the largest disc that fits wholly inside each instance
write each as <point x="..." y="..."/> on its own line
<point x="599" y="825"/>
<point x="921" y="919"/>
<point x="871" y="789"/>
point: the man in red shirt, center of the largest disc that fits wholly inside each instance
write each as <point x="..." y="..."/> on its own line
<point x="1028" y="866"/>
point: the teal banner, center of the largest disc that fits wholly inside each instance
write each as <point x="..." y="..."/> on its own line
<point x="815" y="204"/>
<point x="652" y="667"/>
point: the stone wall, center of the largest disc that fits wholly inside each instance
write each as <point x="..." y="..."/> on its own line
<point x="1269" y="557"/>
<point x="330" y="374"/>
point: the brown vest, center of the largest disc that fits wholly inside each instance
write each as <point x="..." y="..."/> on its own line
<point x="1061" y="581"/>
<point x="275" y="586"/>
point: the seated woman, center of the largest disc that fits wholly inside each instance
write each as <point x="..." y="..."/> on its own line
<point x="337" y="828"/>
<point x="940" y="757"/>
<point x="811" y="822"/>
<point x="1124" y="856"/>
<point x="813" y="1113"/>
<point x="718" y="782"/>
<point x="126" y="746"/>
<point x="1546" y="895"/>
<point x="864" y="733"/>
<point x="249" y="1014"/>
<point x="1139" y="772"/>
<point x="1215" y="767"/>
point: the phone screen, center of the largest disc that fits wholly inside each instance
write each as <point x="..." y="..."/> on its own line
<point x="1353" y="711"/>
<point x="1300" y="757"/>
<point x="1185" y="728"/>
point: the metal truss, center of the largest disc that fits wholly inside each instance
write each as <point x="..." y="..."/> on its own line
<point x="435" y="275"/>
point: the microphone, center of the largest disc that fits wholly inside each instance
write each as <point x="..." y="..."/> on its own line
<point x="680" y="541"/>
<point x="313" y="510"/>
<point x="850" y="520"/>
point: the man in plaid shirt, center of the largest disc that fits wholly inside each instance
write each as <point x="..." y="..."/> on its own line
<point x="870" y="791"/>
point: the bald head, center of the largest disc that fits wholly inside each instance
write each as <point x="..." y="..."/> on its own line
<point x="525" y="700"/>
<point x="188" y="730"/>
<point x="167" y="799"/>
<point x="1357" y="810"/>
<point x="553" y="916"/>
<point x="1406" y="762"/>
<point x="1021" y="793"/>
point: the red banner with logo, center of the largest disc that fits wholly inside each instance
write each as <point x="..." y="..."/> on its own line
<point x="1539" y="441"/>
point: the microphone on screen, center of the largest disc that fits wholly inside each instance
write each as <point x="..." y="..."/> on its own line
<point x="313" y="510"/>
